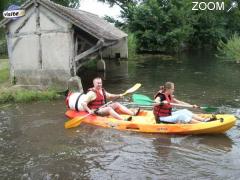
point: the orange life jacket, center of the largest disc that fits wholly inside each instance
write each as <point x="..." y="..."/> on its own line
<point x="165" y="109"/>
<point x="100" y="99"/>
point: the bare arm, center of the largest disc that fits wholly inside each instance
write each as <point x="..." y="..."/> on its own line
<point x="112" y="96"/>
<point x="183" y="103"/>
<point x="90" y="96"/>
<point x="179" y="102"/>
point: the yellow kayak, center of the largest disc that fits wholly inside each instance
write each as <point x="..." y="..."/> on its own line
<point x="145" y="122"/>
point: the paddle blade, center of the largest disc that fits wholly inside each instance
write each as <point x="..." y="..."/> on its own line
<point x="133" y="89"/>
<point x="142" y="99"/>
<point x="74" y="122"/>
<point x="209" y="109"/>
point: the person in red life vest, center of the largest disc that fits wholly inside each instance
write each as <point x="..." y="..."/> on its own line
<point x="97" y="96"/>
<point x="163" y="109"/>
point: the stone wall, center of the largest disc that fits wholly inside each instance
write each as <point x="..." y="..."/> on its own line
<point x="120" y="50"/>
<point x="40" y="48"/>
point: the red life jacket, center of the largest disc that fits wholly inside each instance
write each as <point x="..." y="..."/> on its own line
<point x="99" y="101"/>
<point x="163" y="110"/>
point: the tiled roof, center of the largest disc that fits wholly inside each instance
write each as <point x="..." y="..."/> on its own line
<point x="86" y="21"/>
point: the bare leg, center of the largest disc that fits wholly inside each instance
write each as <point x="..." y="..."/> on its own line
<point x="198" y="118"/>
<point x="110" y="111"/>
<point x="122" y="108"/>
<point x="194" y="121"/>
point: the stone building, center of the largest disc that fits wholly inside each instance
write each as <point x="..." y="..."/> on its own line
<point x="51" y="42"/>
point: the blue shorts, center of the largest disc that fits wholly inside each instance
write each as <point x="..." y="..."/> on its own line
<point x="180" y="116"/>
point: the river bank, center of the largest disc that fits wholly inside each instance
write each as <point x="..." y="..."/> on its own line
<point x="20" y="94"/>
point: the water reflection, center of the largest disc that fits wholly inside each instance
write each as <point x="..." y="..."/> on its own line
<point x="221" y="143"/>
<point x="199" y="78"/>
<point x="162" y="145"/>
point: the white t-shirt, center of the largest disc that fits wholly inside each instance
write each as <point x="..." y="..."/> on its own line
<point x="72" y="101"/>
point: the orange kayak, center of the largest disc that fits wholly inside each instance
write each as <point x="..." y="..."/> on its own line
<point x="145" y="122"/>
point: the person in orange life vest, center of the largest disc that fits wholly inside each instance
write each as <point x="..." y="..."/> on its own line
<point x="97" y="96"/>
<point x="163" y="109"/>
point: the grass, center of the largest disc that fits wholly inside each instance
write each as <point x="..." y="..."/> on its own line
<point x="22" y="95"/>
<point x="11" y="94"/>
<point x="4" y="70"/>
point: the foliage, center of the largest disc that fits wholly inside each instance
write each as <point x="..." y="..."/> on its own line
<point x="127" y="7"/>
<point x="116" y="22"/>
<point x="208" y="28"/>
<point x="160" y="26"/>
<point x="4" y="71"/>
<point x="172" y="26"/>
<point x="231" y="49"/>
<point x="68" y="3"/>
<point x="132" y="46"/>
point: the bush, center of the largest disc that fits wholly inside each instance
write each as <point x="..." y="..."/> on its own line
<point x="230" y="50"/>
<point x="131" y="45"/>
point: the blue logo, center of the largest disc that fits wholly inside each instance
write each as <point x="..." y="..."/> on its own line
<point x="14" y="12"/>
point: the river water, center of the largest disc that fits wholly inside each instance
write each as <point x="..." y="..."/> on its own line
<point x="34" y="144"/>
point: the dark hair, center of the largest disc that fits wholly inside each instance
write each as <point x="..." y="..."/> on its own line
<point x="97" y="78"/>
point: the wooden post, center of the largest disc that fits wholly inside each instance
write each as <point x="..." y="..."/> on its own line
<point x="75" y="53"/>
<point x="38" y="32"/>
<point x="101" y="65"/>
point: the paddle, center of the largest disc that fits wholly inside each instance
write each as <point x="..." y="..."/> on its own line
<point x="145" y="100"/>
<point x="77" y="120"/>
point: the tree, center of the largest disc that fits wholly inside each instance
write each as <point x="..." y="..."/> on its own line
<point x="171" y="25"/>
<point x="127" y="7"/>
<point x="68" y="3"/>
<point x="161" y="26"/>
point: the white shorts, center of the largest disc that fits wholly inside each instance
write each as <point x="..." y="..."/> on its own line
<point x="180" y="116"/>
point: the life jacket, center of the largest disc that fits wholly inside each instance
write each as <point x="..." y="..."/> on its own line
<point x="163" y="110"/>
<point x="73" y="101"/>
<point x="100" y="99"/>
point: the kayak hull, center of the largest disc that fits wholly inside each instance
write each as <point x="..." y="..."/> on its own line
<point x="145" y="122"/>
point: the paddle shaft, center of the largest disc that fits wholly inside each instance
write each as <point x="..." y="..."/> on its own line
<point x="99" y="108"/>
<point x="145" y="100"/>
<point x="178" y="105"/>
<point x="77" y="120"/>
<point x="187" y="106"/>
